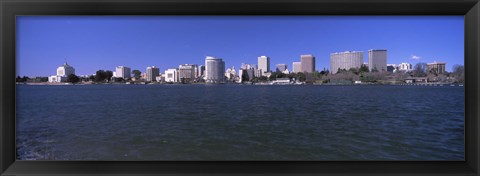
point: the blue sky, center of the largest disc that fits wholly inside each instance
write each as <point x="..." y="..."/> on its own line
<point x="90" y="43"/>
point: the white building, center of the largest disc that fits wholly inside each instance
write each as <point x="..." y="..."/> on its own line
<point x="405" y="67"/>
<point x="62" y="73"/>
<point x="230" y="73"/>
<point x="171" y="75"/>
<point x="377" y="59"/>
<point x="160" y="78"/>
<point x="297" y="67"/>
<point x="264" y="64"/>
<point x="123" y="72"/>
<point x="152" y="73"/>
<point x="345" y="60"/>
<point x="214" y="70"/>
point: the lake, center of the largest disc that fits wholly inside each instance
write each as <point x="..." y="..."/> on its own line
<point x="239" y="122"/>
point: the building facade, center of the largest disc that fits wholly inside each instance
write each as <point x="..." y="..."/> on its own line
<point x="377" y="59"/>
<point x="296" y="67"/>
<point x="264" y="64"/>
<point x="214" y="70"/>
<point x="308" y="63"/>
<point x="186" y="73"/>
<point x="345" y="60"/>
<point x="62" y="73"/>
<point x="123" y="72"/>
<point x="436" y="67"/>
<point x="152" y="73"/>
<point x="171" y="75"/>
<point x="405" y="67"/>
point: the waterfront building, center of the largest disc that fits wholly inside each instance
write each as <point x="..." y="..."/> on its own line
<point x="201" y="70"/>
<point x="297" y="67"/>
<point x="230" y="73"/>
<point x="171" y="75"/>
<point x="308" y="63"/>
<point x="152" y="73"/>
<point x="377" y="59"/>
<point x="123" y="72"/>
<point x="345" y="60"/>
<point x="186" y="73"/>
<point x="160" y="78"/>
<point x="214" y="70"/>
<point x="281" y="67"/>
<point x="264" y="64"/>
<point x="62" y="73"/>
<point x="392" y="68"/>
<point x="405" y="67"/>
<point x="249" y="70"/>
<point x="436" y="67"/>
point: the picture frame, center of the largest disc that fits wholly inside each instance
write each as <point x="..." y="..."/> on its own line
<point x="12" y="8"/>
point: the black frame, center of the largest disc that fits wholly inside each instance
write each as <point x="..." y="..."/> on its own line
<point x="11" y="8"/>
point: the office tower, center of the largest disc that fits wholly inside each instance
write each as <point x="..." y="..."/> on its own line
<point x="297" y="67"/>
<point x="281" y="67"/>
<point x="436" y="67"/>
<point x="171" y="75"/>
<point x="308" y="63"/>
<point x="186" y="73"/>
<point x="214" y="70"/>
<point x="345" y="60"/>
<point x="264" y="64"/>
<point x="377" y="60"/>
<point x="123" y="72"/>
<point x="152" y="73"/>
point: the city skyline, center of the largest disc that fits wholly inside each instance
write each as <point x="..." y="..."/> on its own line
<point x="93" y="43"/>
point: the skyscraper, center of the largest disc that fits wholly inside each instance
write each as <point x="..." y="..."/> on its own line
<point x="264" y="64"/>
<point x="123" y="72"/>
<point x="152" y="73"/>
<point x="308" y="63"/>
<point x="186" y="73"/>
<point x="296" y="67"/>
<point x="377" y="59"/>
<point x="214" y="70"/>
<point x="345" y="60"/>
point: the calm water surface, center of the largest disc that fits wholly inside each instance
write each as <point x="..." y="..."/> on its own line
<point x="239" y="122"/>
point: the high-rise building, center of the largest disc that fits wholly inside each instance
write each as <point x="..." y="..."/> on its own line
<point x="281" y="67"/>
<point x="405" y="67"/>
<point x="201" y="71"/>
<point x="62" y="73"/>
<point x="186" y="73"/>
<point x="345" y="60"/>
<point x="377" y="59"/>
<point x="152" y="73"/>
<point x="171" y="75"/>
<point x="214" y="70"/>
<point x="123" y="72"/>
<point x="436" y="67"/>
<point x="308" y="63"/>
<point x="296" y="67"/>
<point x="264" y="64"/>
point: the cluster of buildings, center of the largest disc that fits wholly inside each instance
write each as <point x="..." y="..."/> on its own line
<point x="214" y="69"/>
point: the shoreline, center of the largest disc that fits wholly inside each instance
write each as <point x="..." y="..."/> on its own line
<point x="254" y="84"/>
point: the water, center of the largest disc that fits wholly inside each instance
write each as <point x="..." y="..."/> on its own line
<point x="239" y="122"/>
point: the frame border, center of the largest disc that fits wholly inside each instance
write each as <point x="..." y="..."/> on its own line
<point x="9" y="9"/>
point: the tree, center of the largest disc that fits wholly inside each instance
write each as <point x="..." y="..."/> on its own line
<point x="100" y="76"/>
<point x="363" y="69"/>
<point x="301" y="76"/>
<point x="420" y="70"/>
<point x="108" y="75"/>
<point x="459" y="73"/>
<point x="73" y="78"/>
<point x="137" y="74"/>
<point x="374" y="69"/>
